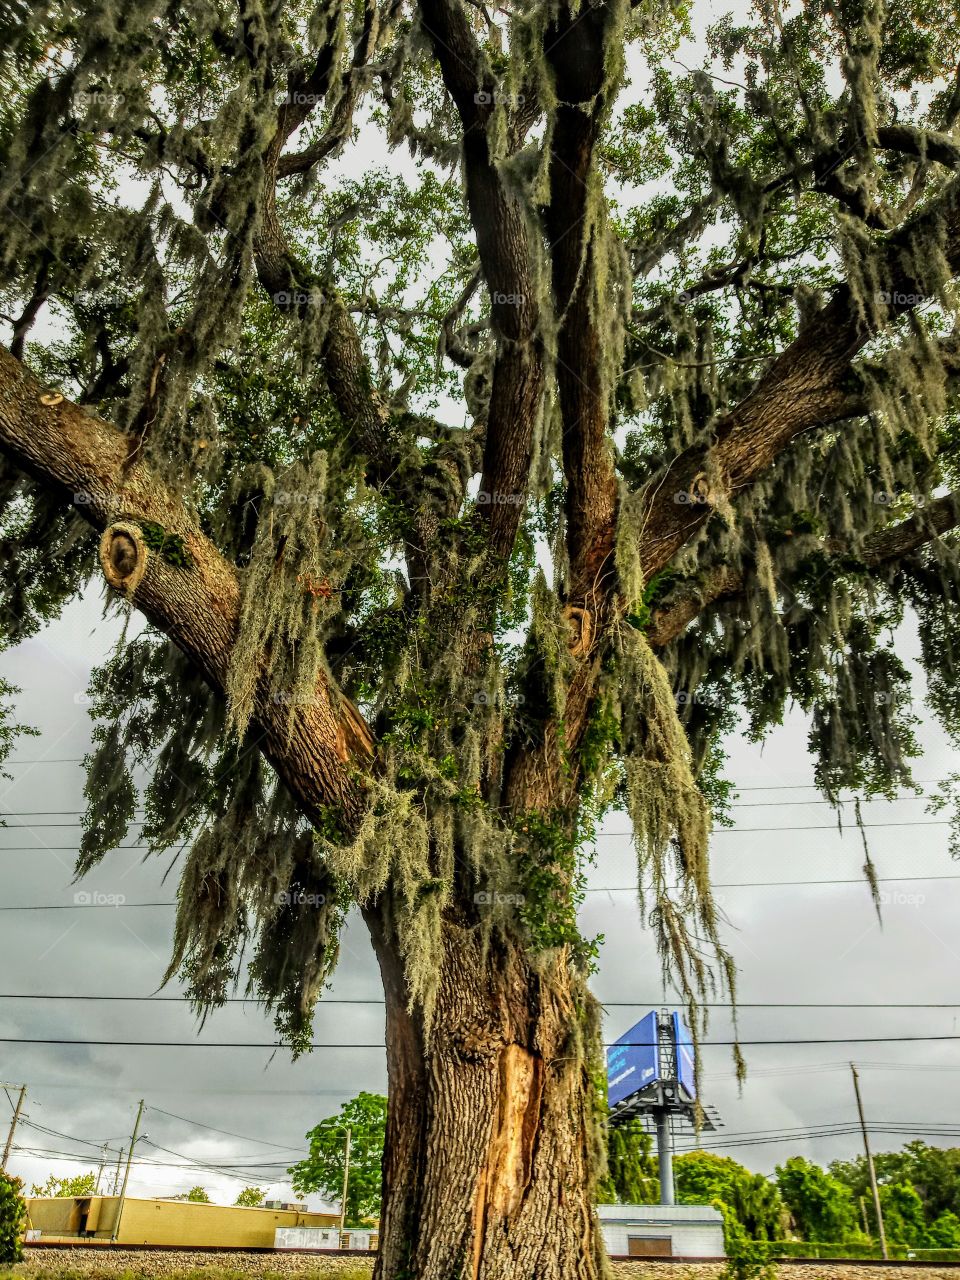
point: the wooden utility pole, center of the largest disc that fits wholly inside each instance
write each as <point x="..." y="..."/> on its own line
<point x="126" y="1172"/>
<point x="116" y="1174"/>
<point x="872" y="1171"/>
<point x="13" y="1128"/>
<point x="346" y="1180"/>
<point x="103" y="1161"/>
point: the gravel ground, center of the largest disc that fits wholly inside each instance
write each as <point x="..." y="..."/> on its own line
<point x="94" y="1263"/>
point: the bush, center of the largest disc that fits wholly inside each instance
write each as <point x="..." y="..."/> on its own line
<point x="13" y="1215"/>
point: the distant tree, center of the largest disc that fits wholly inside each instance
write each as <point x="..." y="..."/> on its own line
<point x="631" y="1168"/>
<point x="944" y="1232"/>
<point x="903" y="1217"/>
<point x="366" y="1118"/>
<point x="821" y="1206"/>
<point x="83" y="1184"/>
<point x="250" y="1198"/>
<point x="932" y="1173"/>
<point x="750" y="1203"/>
<point x="13" y="1214"/>
<point x="196" y="1195"/>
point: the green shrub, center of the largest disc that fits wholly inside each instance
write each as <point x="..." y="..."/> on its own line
<point x="13" y="1215"/>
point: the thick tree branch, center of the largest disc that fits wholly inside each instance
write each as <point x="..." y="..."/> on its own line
<point x="500" y="224"/>
<point x="724" y="582"/>
<point x="85" y="460"/>
<point x="803" y="388"/>
<point x="576" y="50"/>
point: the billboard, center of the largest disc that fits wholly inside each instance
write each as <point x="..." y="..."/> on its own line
<point x="633" y="1061"/>
<point x="684" y="1043"/>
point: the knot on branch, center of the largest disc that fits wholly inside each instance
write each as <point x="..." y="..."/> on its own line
<point x="123" y="556"/>
<point x="580" y="623"/>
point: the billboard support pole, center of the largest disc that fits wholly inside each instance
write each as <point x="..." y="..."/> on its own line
<point x="665" y="1156"/>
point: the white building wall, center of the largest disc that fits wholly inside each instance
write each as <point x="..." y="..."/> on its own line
<point x="306" y="1238"/>
<point x="695" y="1230"/>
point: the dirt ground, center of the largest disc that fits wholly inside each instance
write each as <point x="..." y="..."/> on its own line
<point x="99" y="1264"/>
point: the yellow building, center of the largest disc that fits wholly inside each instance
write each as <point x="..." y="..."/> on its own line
<point x="67" y="1219"/>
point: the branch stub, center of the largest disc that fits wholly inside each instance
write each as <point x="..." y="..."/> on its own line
<point x="123" y="556"/>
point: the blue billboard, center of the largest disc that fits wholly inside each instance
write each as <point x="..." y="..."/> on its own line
<point x="633" y="1061"/>
<point x="685" y="1059"/>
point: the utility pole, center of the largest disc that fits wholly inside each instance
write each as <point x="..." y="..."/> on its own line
<point x="870" y="1168"/>
<point x="13" y="1128"/>
<point x="126" y="1172"/>
<point x="103" y="1161"/>
<point x="116" y="1174"/>
<point x="346" y="1180"/>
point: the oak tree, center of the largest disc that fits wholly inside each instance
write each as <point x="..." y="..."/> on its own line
<point x="481" y="408"/>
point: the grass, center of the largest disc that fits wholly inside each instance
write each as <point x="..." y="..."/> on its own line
<point x="36" y="1269"/>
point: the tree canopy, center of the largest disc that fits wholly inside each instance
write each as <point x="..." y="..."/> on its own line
<point x="365" y="1116"/>
<point x="79" y="1184"/>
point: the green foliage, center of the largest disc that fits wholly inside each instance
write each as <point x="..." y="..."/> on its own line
<point x="366" y="1118"/>
<point x="752" y="1209"/>
<point x="81" y="1184"/>
<point x="13" y="1216"/>
<point x="170" y="546"/>
<point x="749" y="1260"/>
<point x="196" y="1195"/>
<point x="250" y="1198"/>
<point x="821" y="1207"/>
<point x="631" y="1168"/>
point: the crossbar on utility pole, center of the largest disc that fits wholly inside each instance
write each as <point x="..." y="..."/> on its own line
<point x="872" y="1171"/>
<point x="13" y="1128"/>
<point x="126" y="1172"/>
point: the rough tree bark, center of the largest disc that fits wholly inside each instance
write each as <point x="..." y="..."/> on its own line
<point x="488" y="1162"/>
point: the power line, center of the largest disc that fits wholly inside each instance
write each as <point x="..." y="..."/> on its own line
<point x="718" y="831"/>
<point x="603" y="888"/>
<point x="764" y="786"/>
<point x="226" y="1132"/>
<point x="262" y="1044"/>
<point x="882" y="1005"/>
<point x="734" y="804"/>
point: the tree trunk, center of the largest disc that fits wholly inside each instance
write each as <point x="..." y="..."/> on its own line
<point x="490" y="1159"/>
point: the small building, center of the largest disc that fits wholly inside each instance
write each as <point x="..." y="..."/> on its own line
<point x="184" y="1223"/>
<point x="662" y="1231"/>
<point x="327" y="1238"/>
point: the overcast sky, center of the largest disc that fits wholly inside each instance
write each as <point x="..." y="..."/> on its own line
<point x="810" y="943"/>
